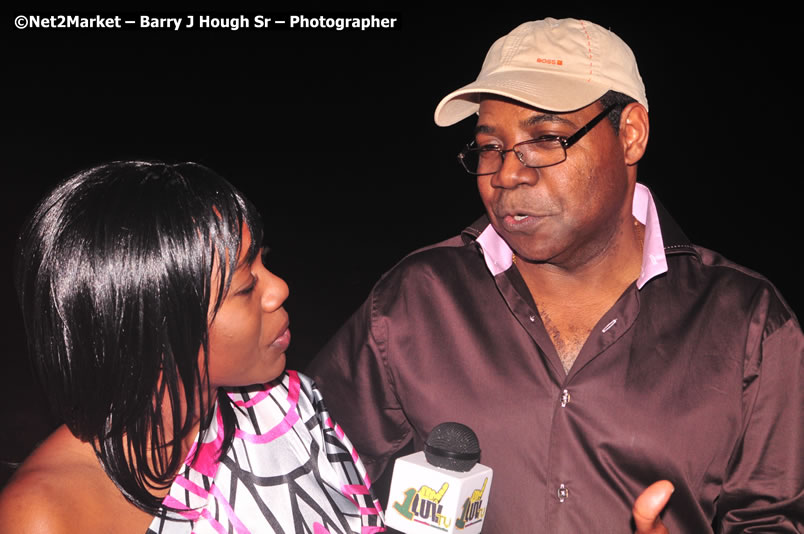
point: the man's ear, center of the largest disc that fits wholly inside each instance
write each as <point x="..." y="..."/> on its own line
<point x="634" y="129"/>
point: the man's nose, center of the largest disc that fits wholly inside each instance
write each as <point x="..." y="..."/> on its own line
<point x="513" y="172"/>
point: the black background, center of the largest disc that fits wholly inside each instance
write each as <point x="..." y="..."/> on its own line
<point x="331" y="135"/>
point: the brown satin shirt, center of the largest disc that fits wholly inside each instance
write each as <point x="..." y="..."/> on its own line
<point x="698" y="381"/>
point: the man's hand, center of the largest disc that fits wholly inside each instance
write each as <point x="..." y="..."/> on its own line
<point x="649" y="505"/>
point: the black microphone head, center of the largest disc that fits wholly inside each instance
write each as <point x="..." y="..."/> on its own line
<point x="452" y="446"/>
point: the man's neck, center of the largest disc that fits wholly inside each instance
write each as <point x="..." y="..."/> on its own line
<point x="571" y="301"/>
<point x="605" y="272"/>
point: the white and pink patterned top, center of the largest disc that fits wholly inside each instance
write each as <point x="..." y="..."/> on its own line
<point x="290" y="469"/>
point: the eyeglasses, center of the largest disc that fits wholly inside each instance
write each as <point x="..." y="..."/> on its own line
<point x="544" y="151"/>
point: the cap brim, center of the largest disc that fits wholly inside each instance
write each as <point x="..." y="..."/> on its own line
<point x="541" y="90"/>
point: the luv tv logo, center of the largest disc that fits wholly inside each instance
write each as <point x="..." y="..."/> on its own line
<point x="424" y="506"/>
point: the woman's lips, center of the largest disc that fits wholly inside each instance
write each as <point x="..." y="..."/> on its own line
<point x="283" y="340"/>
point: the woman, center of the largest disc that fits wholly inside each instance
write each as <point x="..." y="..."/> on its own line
<point x="150" y="317"/>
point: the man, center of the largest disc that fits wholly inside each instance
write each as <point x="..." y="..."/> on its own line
<point x="592" y="348"/>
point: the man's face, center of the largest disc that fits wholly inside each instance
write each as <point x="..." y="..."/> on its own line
<point x="568" y="214"/>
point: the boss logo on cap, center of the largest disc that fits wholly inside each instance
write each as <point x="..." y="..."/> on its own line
<point x="549" y="61"/>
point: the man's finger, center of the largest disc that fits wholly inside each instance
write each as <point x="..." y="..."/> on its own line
<point x="649" y="505"/>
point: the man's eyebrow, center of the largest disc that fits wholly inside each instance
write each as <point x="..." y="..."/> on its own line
<point x="531" y="121"/>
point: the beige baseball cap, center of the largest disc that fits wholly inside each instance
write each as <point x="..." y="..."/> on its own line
<point x="555" y="65"/>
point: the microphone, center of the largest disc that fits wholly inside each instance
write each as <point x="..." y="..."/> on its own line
<point x="442" y="487"/>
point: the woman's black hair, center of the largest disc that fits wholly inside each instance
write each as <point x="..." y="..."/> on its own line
<point x="115" y="272"/>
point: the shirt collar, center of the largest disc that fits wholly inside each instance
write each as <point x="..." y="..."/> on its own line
<point x="499" y="257"/>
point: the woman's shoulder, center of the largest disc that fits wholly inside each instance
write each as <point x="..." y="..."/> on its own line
<point x="61" y="487"/>
<point x="33" y="503"/>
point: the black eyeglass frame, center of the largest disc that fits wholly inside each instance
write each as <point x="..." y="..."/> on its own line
<point x="565" y="143"/>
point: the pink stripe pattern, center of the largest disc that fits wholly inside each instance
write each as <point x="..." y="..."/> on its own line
<point x="289" y="469"/>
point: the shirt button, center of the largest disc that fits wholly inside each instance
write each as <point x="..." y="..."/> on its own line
<point x="562" y="493"/>
<point x="565" y="398"/>
<point x="532" y="318"/>
<point x="608" y="326"/>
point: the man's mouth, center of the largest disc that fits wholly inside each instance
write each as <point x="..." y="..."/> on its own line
<point x="521" y="222"/>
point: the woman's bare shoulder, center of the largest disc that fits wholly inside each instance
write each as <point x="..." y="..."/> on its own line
<point x="60" y="488"/>
<point x="31" y="503"/>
